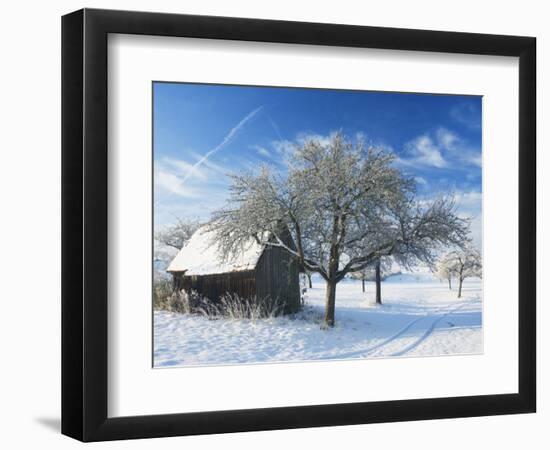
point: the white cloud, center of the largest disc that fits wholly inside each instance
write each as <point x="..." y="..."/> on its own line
<point x="262" y="151"/>
<point x="421" y="180"/>
<point x="475" y="159"/>
<point x="195" y="198"/>
<point x="284" y="146"/>
<point x="208" y="164"/>
<point x="304" y="137"/>
<point x="459" y="149"/>
<point x="468" y="115"/>
<point x="361" y="136"/>
<point x="172" y="184"/>
<point x="476" y="231"/>
<point x="447" y="139"/>
<point x="184" y="167"/>
<point x="469" y="201"/>
<point x="442" y="149"/>
<point x="424" y="151"/>
<point x="185" y="179"/>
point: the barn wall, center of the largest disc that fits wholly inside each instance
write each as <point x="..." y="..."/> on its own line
<point x="277" y="275"/>
<point x="215" y="286"/>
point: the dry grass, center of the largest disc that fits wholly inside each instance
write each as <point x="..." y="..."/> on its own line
<point x="235" y="307"/>
<point x="230" y="306"/>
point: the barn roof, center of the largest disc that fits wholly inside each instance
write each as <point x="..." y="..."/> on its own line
<point x="201" y="257"/>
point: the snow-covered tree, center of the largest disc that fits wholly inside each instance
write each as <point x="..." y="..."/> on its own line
<point x="445" y="268"/>
<point x="168" y="241"/>
<point x="345" y="207"/>
<point x="464" y="263"/>
<point x="177" y="235"/>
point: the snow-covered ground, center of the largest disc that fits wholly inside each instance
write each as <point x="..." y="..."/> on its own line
<point x="419" y="317"/>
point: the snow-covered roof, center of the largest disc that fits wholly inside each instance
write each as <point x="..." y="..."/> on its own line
<point x="201" y="256"/>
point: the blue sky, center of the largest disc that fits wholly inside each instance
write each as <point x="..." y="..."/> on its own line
<point x="204" y="132"/>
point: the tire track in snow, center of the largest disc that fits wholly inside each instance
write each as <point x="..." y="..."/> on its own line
<point x="430" y="330"/>
<point x="386" y="341"/>
<point x="365" y="352"/>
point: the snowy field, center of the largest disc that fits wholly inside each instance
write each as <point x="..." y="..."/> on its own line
<point x="419" y="317"/>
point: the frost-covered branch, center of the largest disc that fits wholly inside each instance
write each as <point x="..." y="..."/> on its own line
<point x="178" y="234"/>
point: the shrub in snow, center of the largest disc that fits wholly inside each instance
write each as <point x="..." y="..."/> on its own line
<point x="188" y="302"/>
<point x="176" y="303"/>
<point x="162" y="292"/>
<point x="165" y="299"/>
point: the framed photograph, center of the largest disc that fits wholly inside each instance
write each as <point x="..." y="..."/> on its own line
<point x="273" y="224"/>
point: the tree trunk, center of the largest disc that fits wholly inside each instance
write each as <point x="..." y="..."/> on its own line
<point x="450" y="288"/>
<point x="378" y="284"/>
<point x="330" y="302"/>
<point x="309" y="279"/>
<point x="363" y="281"/>
<point x="332" y="270"/>
<point x="460" y="279"/>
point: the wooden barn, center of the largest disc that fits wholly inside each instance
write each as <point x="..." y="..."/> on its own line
<point x="256" y="271"/>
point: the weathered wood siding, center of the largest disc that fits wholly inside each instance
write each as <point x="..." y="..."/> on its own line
<point x="277" y="276"/>
<point x="215" y="286"/>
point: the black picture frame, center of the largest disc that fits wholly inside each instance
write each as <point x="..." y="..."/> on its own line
<point x="84" y="224"/>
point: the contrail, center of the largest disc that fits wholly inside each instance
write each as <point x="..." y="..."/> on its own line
<point x="226" y="139"/>
<point x="275" y="127"/>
